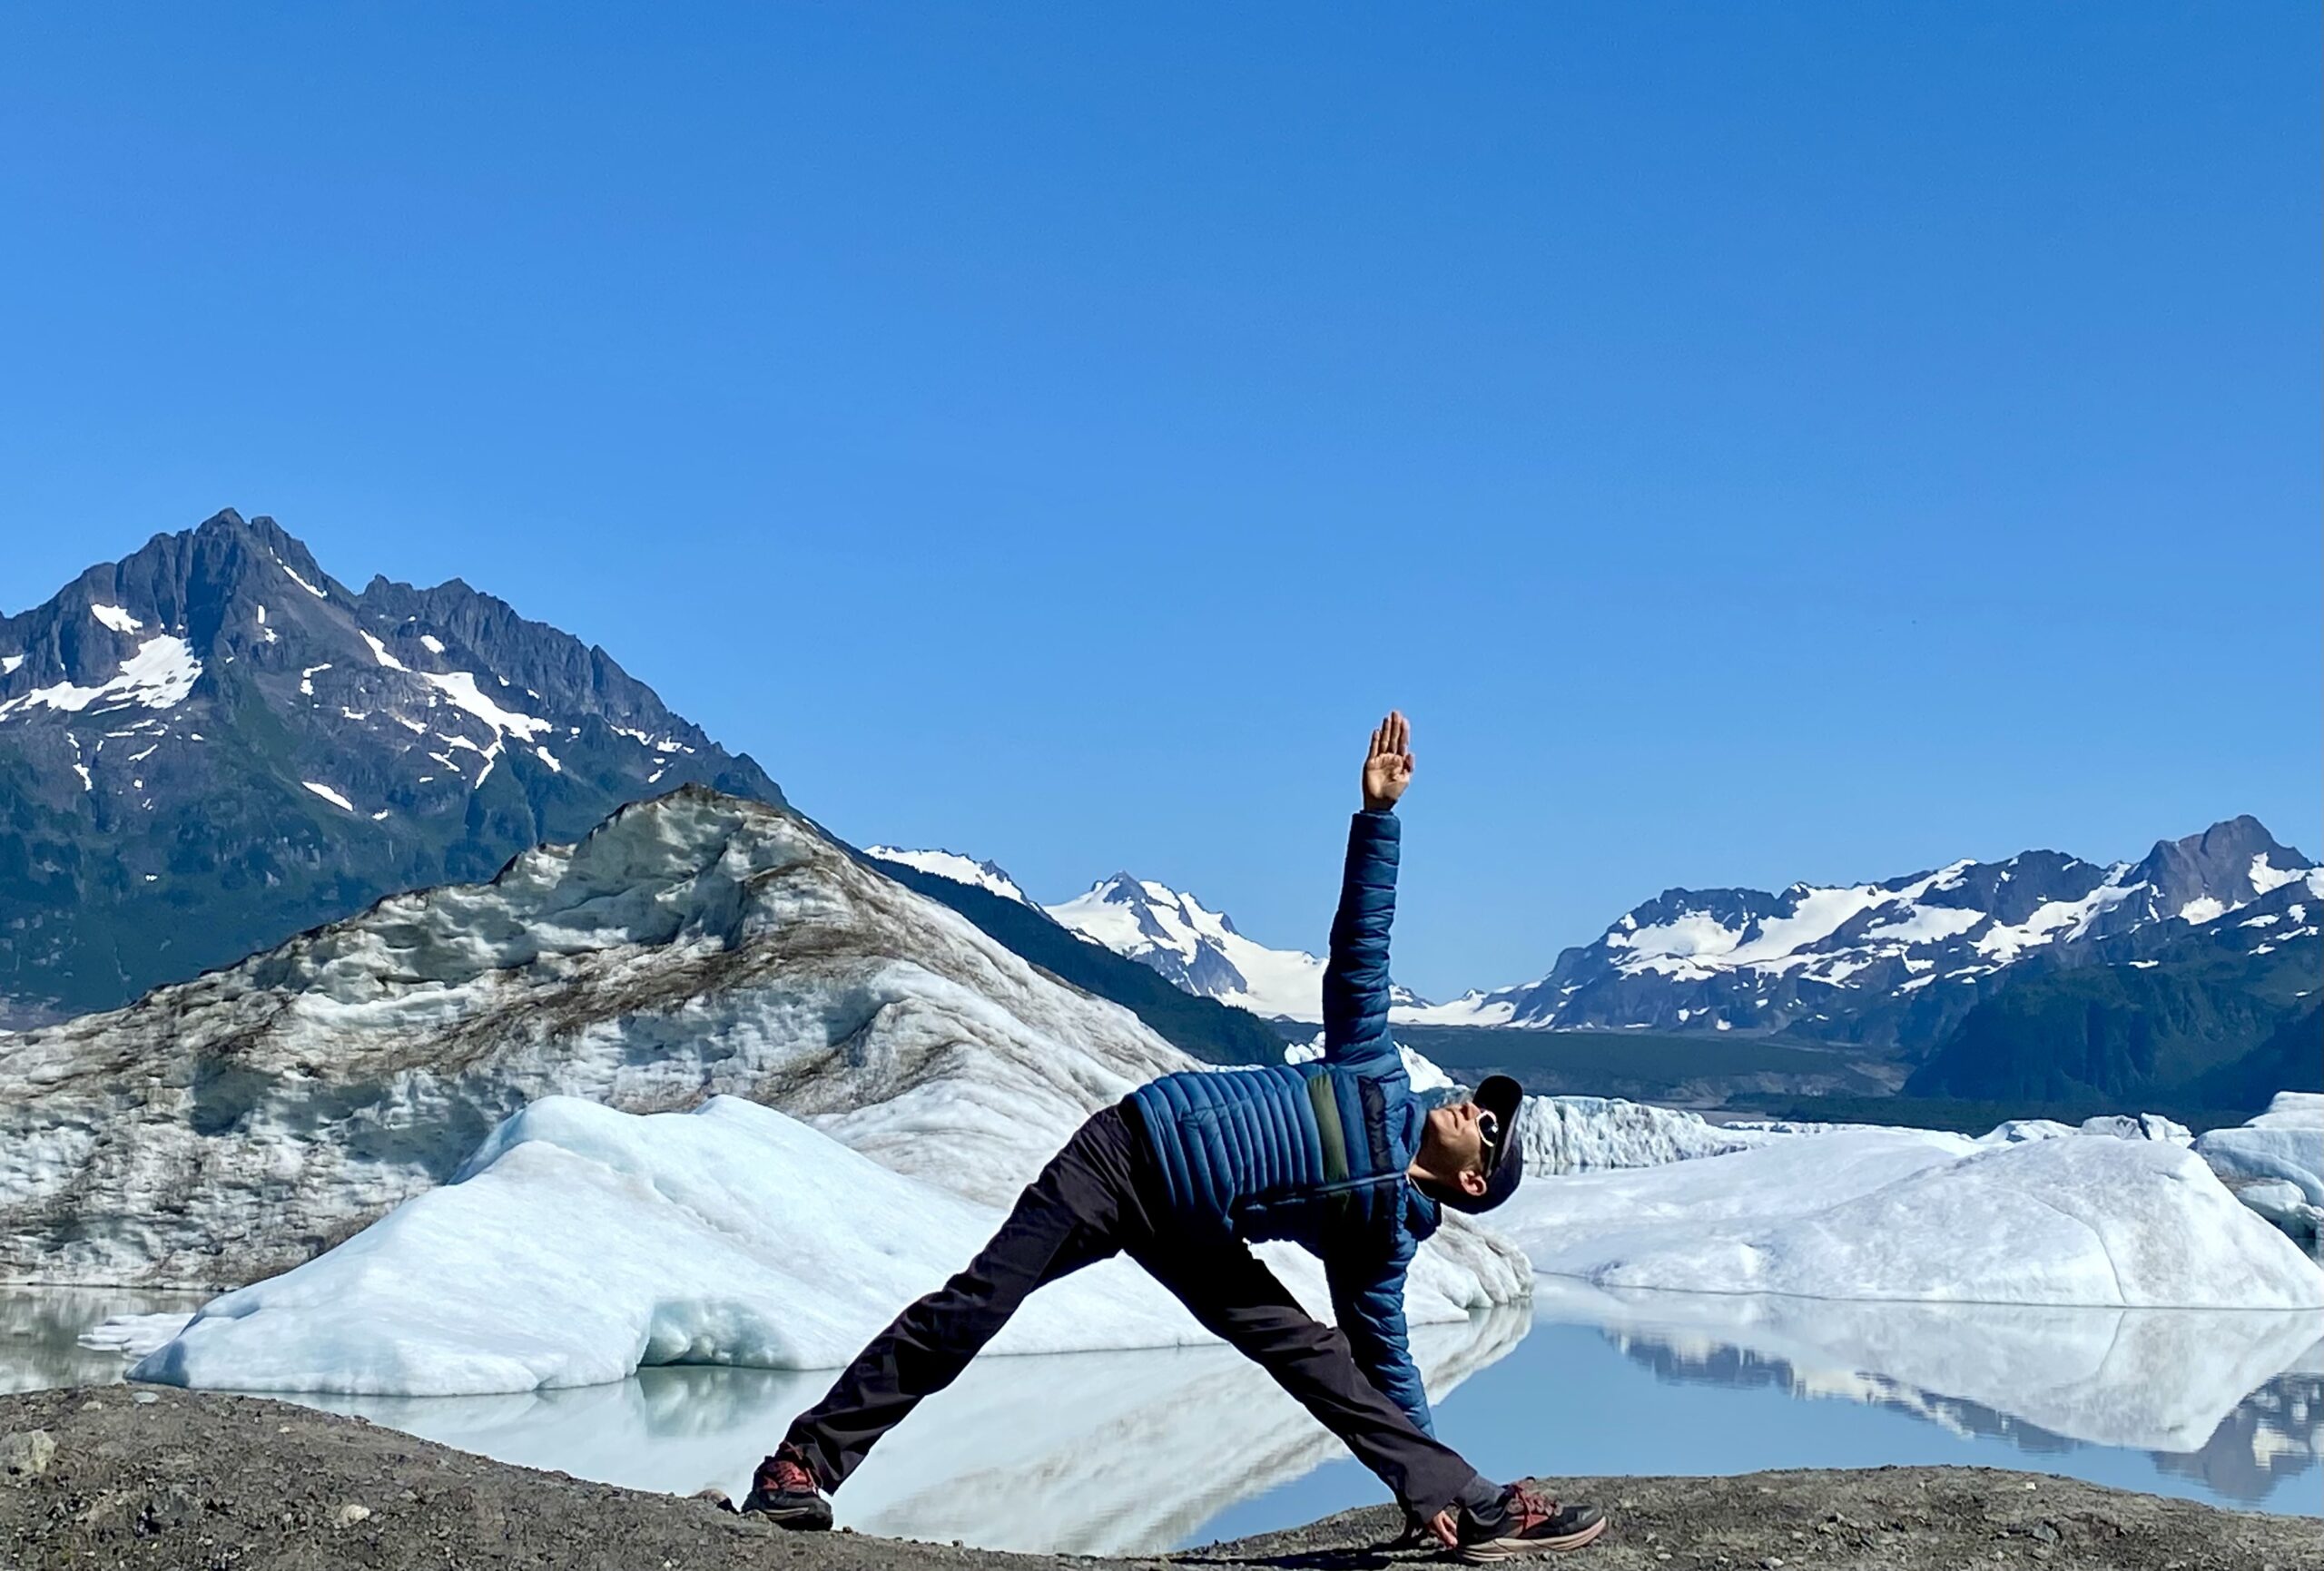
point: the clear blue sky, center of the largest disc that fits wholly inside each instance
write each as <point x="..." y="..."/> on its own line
<point x="1755" y="443"/>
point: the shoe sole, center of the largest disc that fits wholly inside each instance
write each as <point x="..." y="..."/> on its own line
<point x="1493" y="1551"/>
<point x="799" y="1519"/>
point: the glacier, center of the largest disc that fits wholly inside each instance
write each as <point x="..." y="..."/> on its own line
<point x="695" y="946"/>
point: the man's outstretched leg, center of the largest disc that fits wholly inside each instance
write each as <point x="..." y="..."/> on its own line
<point x="1072" y="1215"/>
<point x="1236" y="1297"/>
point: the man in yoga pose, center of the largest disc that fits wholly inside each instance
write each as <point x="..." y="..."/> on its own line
<point x="1186" y="1172"/>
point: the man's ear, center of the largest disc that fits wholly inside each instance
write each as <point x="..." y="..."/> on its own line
<point x="1473" y="1183"/>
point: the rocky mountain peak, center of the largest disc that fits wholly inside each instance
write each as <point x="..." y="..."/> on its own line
<point x="213" y="743"/>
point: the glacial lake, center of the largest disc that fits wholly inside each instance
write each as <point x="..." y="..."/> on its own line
<point x="1141" y="1451"/>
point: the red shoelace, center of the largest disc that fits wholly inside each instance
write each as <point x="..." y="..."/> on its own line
<point x="1529" y="1507"/>
<point x="788" y="1477"/>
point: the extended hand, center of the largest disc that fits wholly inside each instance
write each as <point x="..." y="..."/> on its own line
<point x="1446" y="1528"/>
<point x="1388" y="767"/>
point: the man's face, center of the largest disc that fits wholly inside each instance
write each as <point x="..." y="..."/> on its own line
<point x="1458" y="1133"/>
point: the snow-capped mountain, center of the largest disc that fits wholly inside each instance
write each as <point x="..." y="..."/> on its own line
<point x="696" y="945"/>
<point x="213" y="744"/>
<point x="960" y="869"/>
<point x="1198" y="948"/>
<point x="1888" y="963"/>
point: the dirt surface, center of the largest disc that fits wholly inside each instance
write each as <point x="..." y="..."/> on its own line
<point x="164" y="1478"/>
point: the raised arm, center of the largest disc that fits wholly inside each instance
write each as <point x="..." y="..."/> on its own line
<point x="1355" y="981"/>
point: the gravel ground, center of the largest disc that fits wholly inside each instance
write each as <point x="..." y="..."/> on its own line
<point x="163" y="1478"/>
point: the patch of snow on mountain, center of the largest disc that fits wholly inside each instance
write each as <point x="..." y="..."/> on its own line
<point x="2056" y="919"/>
<point x="960" y="869"/>
<point x="379" y="650"/>
<point x="460" y="687"/>
<point x="2265" y="877"/>
<point x="328" y="795"/>
<point x="9" y="662"/>
<point x="1474" y="1007"/>
<point x="115" y="617"/>
<point x="1926" y="925"/>
<point x="299" y="580"/>
<point x="160" y="676"/>
<point x="2203" y="909"/>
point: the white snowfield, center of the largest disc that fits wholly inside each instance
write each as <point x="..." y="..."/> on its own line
<point x="159" y="675"/>
<point x="1921" y="1215"/>
<point x="580" y="1243"/>
<point x="228" y="1128"/>
<point x="960" y="869"/>
<point x="1477" y="1006"/>
<point x="2275" y="1163"/>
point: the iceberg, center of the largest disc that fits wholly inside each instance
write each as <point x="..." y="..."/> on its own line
<point x="579" y="1243"/>
<point x="2275" y="1163"/>
<point x="1922" y="1215"/>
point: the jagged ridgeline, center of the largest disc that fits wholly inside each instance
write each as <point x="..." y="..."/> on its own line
<point x="213" y="744"/>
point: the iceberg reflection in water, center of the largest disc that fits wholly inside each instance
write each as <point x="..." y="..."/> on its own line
<point x="1135" y="1452"/>
<point x="2233" y="1398"/>
<point x="1079" y="1453"/>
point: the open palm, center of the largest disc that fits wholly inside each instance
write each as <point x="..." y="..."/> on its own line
<point x="1388" y="767"/>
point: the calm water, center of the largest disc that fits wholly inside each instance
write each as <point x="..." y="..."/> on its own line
<point x="1132" y="1451"/>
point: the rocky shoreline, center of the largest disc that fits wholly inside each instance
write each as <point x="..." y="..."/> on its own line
<point x="143" y="1478"/>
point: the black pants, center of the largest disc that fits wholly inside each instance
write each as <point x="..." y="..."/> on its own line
<point x="1100" y="1196"/>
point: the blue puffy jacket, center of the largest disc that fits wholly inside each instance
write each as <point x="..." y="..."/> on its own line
<point x="1316" y="1153"/>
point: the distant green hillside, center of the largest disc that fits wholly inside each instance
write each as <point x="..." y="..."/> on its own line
<point x="1639" y="1064"/>
<point x="2210" y="1019"/>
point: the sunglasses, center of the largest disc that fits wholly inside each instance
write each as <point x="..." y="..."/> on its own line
<point x="1488" y="1131"/>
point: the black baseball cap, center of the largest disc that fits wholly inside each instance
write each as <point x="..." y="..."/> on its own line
<point x="1504" y="1155"/>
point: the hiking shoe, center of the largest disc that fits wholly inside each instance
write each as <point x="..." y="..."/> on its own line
<point x="1528" y="1525"/>
<point x="785" y="1493"/>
